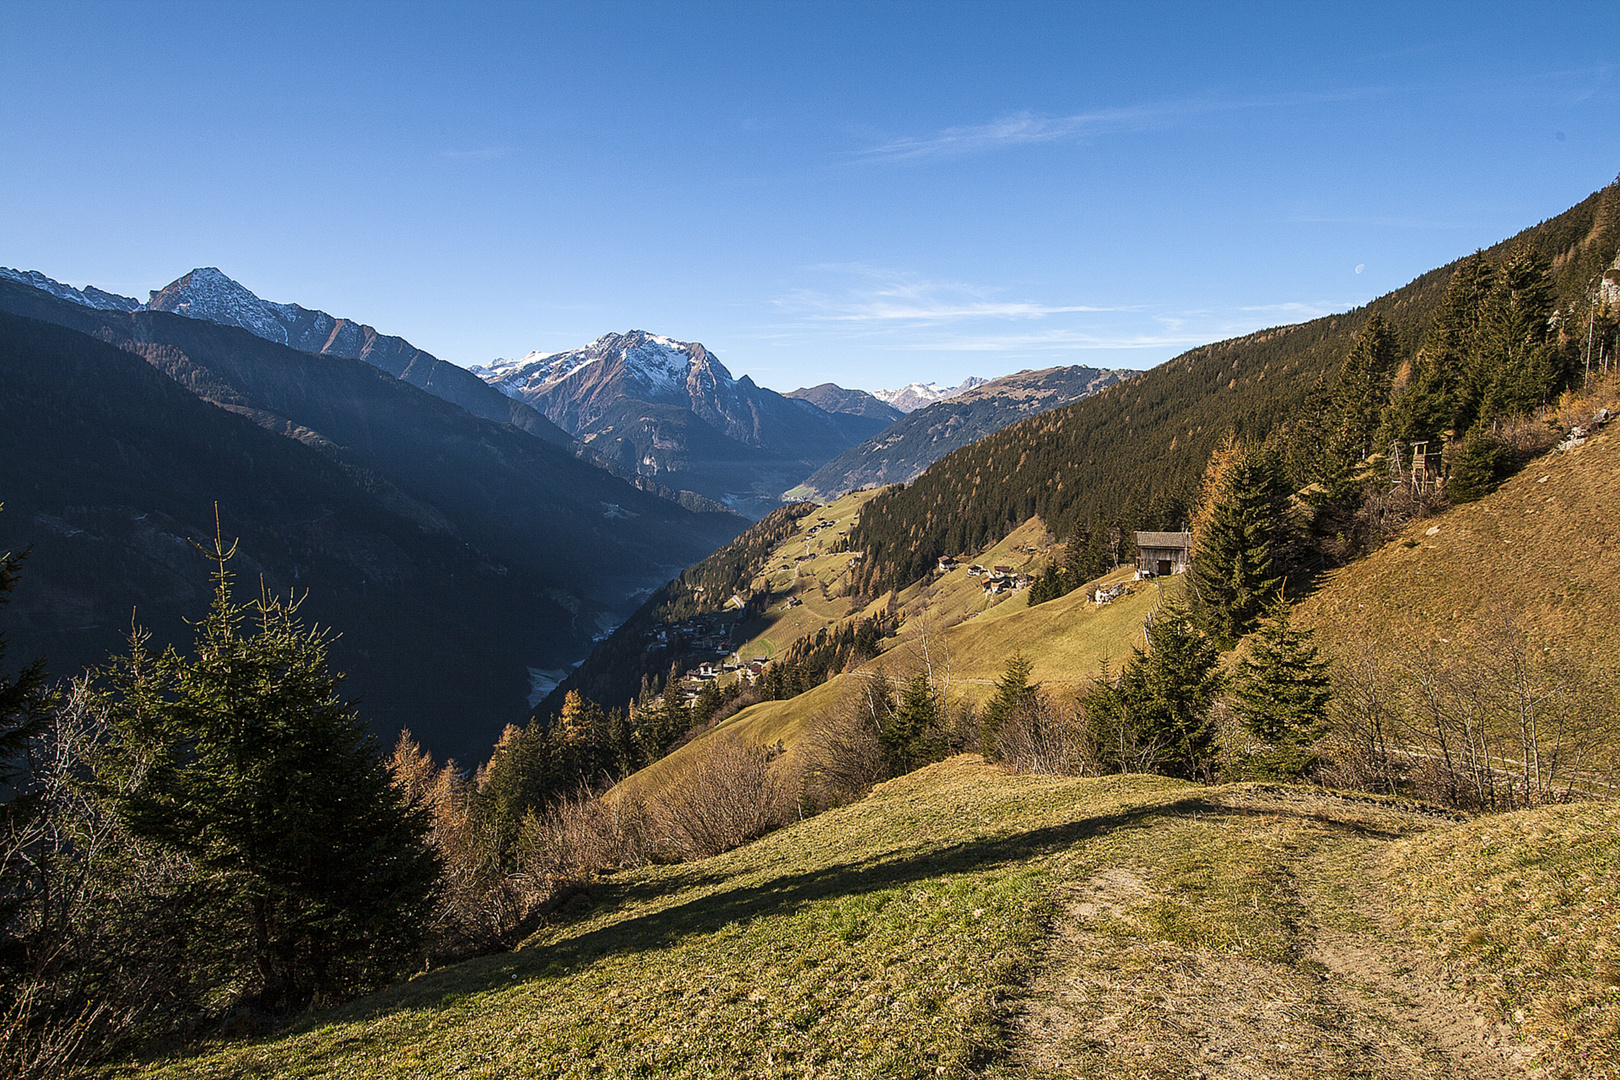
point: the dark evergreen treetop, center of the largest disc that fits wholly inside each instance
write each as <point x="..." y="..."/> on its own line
<point x="1168" y="691"/>
<point x="245" y="761"/>
<point x="1239" y="562"/>
<point x="1281" y="687"/>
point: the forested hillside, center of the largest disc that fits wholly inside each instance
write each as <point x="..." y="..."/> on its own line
<point x="1131" y="456"/>
<point x="454" y="553"/>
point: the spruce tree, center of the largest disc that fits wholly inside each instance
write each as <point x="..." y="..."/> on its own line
<point x="1238" y="562"/>
<point x="1048" y="585"/>
<point x="1167" y="692"/>
<point x="1518" y="360"/>
<point x="1440" y="396"/>
<point x="1362" y="393"/>
<point x="312" y="874"/>
<point x="1084" y="558"/>
<point x="1476" y="466"/>
<point x="1013" y="691"/>
<point x="1280" y="692"/>
<point x="910" y="733"/>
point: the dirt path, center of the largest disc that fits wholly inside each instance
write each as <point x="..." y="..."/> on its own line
<point x="1332" y="992"/>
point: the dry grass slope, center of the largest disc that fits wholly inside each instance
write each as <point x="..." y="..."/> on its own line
<point x="962" y="922"/>
<point x="1546" y="546"/>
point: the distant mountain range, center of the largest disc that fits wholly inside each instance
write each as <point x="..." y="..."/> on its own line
<point x="670" y="411"/>
<point x="835" y="399"/>
<point x="959" y="417"/>
<point x="454" y="553"/>
<point x="208" y="294"/>
<point x="914" y="396"/>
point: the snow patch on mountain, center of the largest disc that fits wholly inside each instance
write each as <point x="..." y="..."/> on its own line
<point x="658" y="366"/>
<point x="89" y="296"/>
<point x="206" y="293"/>
<point x="914" y="396"/>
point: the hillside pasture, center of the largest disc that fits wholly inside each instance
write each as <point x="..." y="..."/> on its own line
<point x="962" y="921"/>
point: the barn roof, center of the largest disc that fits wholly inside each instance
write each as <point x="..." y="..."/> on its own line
<point x="1164" y="539"/>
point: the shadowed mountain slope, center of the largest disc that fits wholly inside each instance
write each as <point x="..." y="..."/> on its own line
<point x="517" y="553"/>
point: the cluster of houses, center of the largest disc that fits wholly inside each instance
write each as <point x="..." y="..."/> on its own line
<point x="994" y="580"/>
<point x="999" y="579"/>
<point x="693" y="681"/>
<point x="701" y="633"/>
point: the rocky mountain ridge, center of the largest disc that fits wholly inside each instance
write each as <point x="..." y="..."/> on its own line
<point x="903" y="450"/>
<point x="670" y="410"/>
<point x="833" y="398"/>
<point x="918" y="395"/>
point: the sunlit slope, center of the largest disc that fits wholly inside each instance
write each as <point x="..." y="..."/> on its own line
<point x="1544" y="547"/>
<point x="1065" y="640"/>
<point x="964" y="922"/>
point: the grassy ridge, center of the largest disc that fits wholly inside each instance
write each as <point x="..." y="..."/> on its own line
<point x="1133" y="453"/>
<point x="1543" y="547"/>
<point x="962" y="920"/>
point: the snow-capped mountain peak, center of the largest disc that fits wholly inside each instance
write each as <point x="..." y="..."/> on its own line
<point x="655" y="366"/>
<point x="206" y="293"/>
<point x="89" y="296"/>
<point x="914" y="396"/>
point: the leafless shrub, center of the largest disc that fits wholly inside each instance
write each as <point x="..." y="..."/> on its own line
<point x="1490" y="722"/>
<point x="842" y="753"/>
<point x="735" y="792"/>
<point x="579" y="838"/>
<point x="1363" y="720"/>
<point x="883" y="726"/>
<point x="96" y="951"/>
<point x="1039" y="736"/>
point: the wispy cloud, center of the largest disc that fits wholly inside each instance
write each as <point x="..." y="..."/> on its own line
<point x="1025" y="128"/>
<point x="1016" y="130"/>
<point x="1299" y="309"/>
<point x="884" y="297"/>
<point x="1053" y="341"/>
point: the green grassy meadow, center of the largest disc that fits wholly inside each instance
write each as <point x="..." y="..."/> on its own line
<point x="962" y="921"/>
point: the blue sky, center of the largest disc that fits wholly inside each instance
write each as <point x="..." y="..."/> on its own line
<point x="868" y="193"/>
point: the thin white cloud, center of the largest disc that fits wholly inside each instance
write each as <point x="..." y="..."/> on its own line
<point x="1015" y="130"/>
<point x="889" y="298"/>
<point x="1025" y="128"/>
<point x="1295" y="307"/>
<point x="1053" y="341"/>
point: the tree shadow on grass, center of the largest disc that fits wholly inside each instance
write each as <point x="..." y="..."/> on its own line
<point x="780" y="896"/>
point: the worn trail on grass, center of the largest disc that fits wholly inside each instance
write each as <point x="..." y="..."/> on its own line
<point x="1248" y="942"/>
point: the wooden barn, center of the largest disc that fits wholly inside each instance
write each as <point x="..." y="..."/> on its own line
<point x="1163" y="553"/>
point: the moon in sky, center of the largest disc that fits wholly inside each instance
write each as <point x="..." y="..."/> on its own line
<point x="1360" y="267"/>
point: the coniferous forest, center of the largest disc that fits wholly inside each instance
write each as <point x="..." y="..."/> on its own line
<point x="1130" y="457"/>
